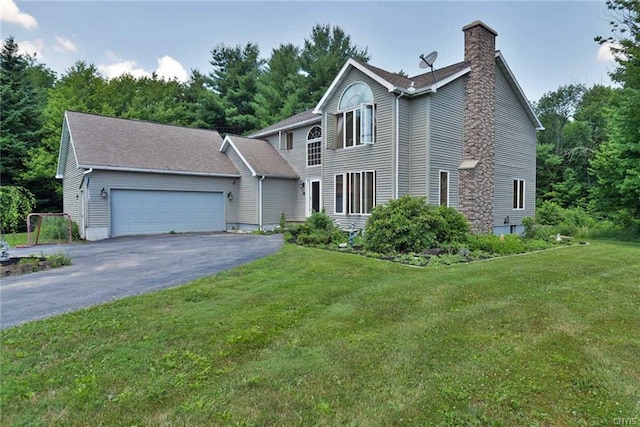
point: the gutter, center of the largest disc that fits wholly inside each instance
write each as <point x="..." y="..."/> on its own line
<point x="85" y="173"/>
<point x="159" y="171"/>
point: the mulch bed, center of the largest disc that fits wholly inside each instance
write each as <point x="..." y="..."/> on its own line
<point x="23" y="265"/>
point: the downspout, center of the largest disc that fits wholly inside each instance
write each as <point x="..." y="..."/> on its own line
<point x="396" y="159"/>
<point x="85" y="205"/>
<point x="260" y="202"/>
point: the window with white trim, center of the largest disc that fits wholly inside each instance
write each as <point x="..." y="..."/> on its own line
<point x="355" y="192"/>
<point x="356" y="119"/>
<point x="518" y="194"/>
<point x="314" y="146"/>
<point x="444" y="188"/>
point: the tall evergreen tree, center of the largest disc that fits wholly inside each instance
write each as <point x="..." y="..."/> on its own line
<point x="204" y="106"/>
<point x="281" y="87"/>
<point x="324" y="54"/>
<point x="235" y="74"/>
<point x="21" y="116"/>
<point x="82" y="89"/>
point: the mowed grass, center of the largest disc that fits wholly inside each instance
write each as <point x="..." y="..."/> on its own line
<point x="15" y="239"/>
<point x="312" y="337"/>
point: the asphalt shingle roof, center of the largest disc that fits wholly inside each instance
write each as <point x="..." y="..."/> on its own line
<point x="110" y="142"/>
<point x="290" y="121"/>
<point x="262" y="157"/>
<point x="419" y="81"/>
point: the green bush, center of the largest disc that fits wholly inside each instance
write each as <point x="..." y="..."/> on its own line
<point x="533" y="231"/>
<point x="549" y="213"/>
<point x="499" y="245"/>
<point x="456" y="226"/>
<point x="409" y="224"/>
<point x="318" y="229"/>
<point x="15" y="204"/>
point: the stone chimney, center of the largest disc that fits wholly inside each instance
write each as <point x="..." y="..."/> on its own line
<point x="476" y="173"/>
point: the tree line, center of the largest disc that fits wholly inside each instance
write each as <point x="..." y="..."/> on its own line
<point x="588" y="156"/>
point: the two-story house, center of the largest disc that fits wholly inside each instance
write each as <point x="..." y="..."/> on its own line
<point x="461" y="136"/>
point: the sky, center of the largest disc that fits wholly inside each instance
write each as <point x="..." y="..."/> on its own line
<point x="546" y="44"/>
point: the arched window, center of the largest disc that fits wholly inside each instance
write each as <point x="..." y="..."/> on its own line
<point x="314" y="146"/>
<point x="356" y="119"/>
<point x="356" y="94"/>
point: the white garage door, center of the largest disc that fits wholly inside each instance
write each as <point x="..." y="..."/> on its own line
<point x="150" y="212"/>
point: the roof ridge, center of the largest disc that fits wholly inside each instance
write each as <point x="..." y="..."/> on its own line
<point x="140" y="121"/>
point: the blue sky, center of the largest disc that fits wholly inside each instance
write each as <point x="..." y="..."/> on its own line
<point x="546" y="44"/>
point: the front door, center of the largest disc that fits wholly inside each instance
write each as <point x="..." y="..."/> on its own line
<point x="314" y="196"/>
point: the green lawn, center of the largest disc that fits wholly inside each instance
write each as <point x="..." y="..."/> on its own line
<point x="312" y="337"/>
<point x="15" y="239"/>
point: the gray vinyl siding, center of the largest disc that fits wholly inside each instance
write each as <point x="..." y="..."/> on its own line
<point x="247" y="202"/>
<point x="404" y="148"/>
<point x="297" y="159"/>
<point x="377" y="156"/>
<point x="71" y="181"/>
<point x="419" y="141"/>
<point x="99" y="208"/>
<point x="515" y="155"/>
<point x="277" y="198"/>
<point x="446" y="139"/>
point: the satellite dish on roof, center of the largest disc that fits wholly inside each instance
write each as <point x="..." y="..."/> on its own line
<point x="427" y="61"/>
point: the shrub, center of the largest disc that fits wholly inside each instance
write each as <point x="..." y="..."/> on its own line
<point x="549" y="213"/>
<point x="533" y="231"/>
<point x="455" y="226"/>
<point x="499" y="245"/>
<point x="318" y="229"/>
<point x="408" y="224"/>
<point x="15" y="204"/>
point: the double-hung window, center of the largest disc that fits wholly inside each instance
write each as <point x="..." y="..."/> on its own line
<point x="518" y="194"/>
<point x="355" y="192"/>
<point x="356" y="119"/>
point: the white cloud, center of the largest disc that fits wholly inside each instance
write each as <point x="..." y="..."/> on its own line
<point x="111" y="71"/>
<point x="63" y="45"/>
<point x="169" y="69"/>
<point x="605" y="54"/>
<point x="35" y="47"/>
<point x="9" y="12"/>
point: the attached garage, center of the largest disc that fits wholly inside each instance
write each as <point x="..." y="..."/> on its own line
<point x="150" y="212"/>
<point x="126" y="177"/>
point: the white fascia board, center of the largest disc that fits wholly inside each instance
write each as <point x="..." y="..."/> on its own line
<point x="451" y="78"/>
<point x="228" y="142"/>
<point x="280" y="176"/>
<point x="159" y="171"/>
<point x="519" y="92"/>
<point x="350" y="63"/>
<point x="287" y="127"/>
<point x="434" y="87"/>
<point x="64" y="148"/>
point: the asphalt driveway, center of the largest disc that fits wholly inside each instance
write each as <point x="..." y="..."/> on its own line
<point x="116" y="268"/>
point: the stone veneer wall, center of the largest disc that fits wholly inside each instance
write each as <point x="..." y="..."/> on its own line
<point x="477" y="183"/>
